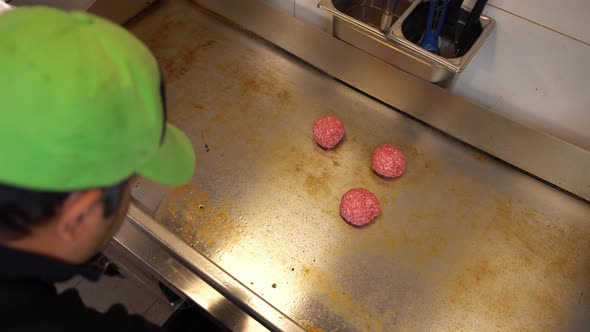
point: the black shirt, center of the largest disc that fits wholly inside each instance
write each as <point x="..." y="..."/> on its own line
<point x="29" y="301"/>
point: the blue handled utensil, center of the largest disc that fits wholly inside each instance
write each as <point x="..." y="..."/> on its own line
<point x="434" y="24"/>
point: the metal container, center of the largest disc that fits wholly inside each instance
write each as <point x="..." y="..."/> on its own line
<point x="451" y="64"/>
<point x="363" y="32"/>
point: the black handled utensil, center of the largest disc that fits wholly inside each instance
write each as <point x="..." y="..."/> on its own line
<point x="453" y="12"/>
<point x="472" y="28"/>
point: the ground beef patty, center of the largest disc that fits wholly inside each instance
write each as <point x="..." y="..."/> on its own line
<point x="328" y="131"/>
<point x="359" y="206"/>
<point x="389" y="161"/>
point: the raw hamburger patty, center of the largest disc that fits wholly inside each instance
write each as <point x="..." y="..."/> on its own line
<point x="328" y="131"/>
<point x="359" y="206"/>
<point x="389" y="161"/>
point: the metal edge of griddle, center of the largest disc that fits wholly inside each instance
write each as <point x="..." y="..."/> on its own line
<point x="140" y="234"/>
<point x="538" y="154"/>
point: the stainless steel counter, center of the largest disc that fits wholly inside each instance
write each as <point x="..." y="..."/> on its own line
<point x="464" y="242"/>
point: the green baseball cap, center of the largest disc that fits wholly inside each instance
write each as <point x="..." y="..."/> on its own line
<point x="82" y="105"/>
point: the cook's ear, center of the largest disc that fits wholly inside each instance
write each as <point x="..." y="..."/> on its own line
<point x="73" y="212"/>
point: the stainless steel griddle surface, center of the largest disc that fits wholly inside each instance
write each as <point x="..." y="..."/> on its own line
<point x="463" y="242"/>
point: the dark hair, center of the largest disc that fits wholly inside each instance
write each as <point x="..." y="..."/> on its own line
<point x="22" y="208"/>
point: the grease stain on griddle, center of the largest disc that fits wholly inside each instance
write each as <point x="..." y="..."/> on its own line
<point x="259" y="81"/>
<point x="315" y="184"/>
<point x="311" y="328"/>
<point x="337" y="301"/>
<point x="317" y="177"/>
<point x="176" y="61"/>
<point x="284" y="97"/>
<point x="479" y="157"/>
<point x="521" y="252"/>
<point x="197" y="220"/>
<point x="516" y="250"/>
<point x="255" y="87"/>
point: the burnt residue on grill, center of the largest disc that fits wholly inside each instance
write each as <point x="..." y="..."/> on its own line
<point x="175" y="61"/>
<point x="199" y="221"/>
<point x="521" y="252"/>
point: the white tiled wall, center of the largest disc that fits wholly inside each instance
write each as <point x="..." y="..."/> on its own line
<point x="534" y="76"/>
<point x="566" y="16"/>
<point x="534" y="68"/>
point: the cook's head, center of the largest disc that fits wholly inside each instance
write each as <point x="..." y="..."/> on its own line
<point x="83" y="110"/>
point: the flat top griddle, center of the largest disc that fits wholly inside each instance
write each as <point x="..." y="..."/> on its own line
<point x="464" y="242"/>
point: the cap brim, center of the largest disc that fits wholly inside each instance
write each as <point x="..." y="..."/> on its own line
<point x="174" y="163"/>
